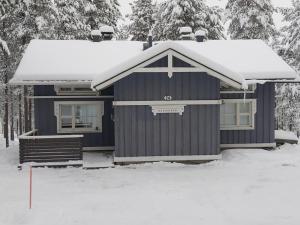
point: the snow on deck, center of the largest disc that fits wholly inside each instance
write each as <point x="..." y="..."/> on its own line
<point x="285" y="136"/>
<point x="246" y="187"/>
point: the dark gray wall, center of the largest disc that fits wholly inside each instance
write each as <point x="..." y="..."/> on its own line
<point x="264" y="118"/>
<point x="139" y="133"/>
<point x="45" y="120"/>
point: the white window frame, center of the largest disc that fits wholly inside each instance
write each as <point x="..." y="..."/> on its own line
<point x="73" y="91"/>
<point x="238" y="114"/>
<point x="100" y="113"/>
<point x="251" y="89"/>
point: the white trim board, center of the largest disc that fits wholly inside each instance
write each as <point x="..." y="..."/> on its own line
<point x="72" y="97"/>
<point x="249" y="145"/>
<point x="168" y="158"/>
<point x="175" y="102"/>
<point x="99" y="148"/>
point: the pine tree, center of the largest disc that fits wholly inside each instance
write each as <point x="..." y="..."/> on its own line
<point x="71" y="22"/>
<point x="250" y="19"/>
<point x="102" y="12"/>
<point x="291" y="40"/>
<point x="173" y="14"/>
<point x="287" y="107"/>
<point x="141" y="19"/>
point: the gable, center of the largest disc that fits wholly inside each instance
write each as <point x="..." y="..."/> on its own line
<point x="168" y="62"/>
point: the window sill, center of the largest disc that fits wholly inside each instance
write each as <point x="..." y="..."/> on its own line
<point x="78" y="131"/>
<point x="237" y="128"/>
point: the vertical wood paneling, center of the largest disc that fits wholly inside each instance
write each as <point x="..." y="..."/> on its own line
<point x="195" y="132"/>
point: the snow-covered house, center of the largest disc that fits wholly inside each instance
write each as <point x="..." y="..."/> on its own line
<point x="182" y="100"/>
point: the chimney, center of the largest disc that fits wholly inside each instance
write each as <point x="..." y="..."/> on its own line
<point x="96" y="35"/>
<point x="149" y="43"/>
<point x="186" y="33"/>
<point x="200" y="35"/>
<point x="107" y="32"/>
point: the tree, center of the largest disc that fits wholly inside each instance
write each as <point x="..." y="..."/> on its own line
<point x="71" y="22"/>
<point x="250" y="19"/>
<point x="287" y="107"/>
<point x="99" y="12"/>
<point x="141" y="19"/>
<point x="173" y="14"/>
<point x="291" y="39"/>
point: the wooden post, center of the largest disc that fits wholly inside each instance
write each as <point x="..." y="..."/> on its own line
<point x="30" y="187"/>
<point x="20" y="115"/>
<point x="29" y="114"/>
<point x="25" y="109"/>
<point x="12" y="129"/>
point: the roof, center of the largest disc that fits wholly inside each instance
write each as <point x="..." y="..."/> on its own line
<point x="52" y="61"/>
<point x="75" y="60"/>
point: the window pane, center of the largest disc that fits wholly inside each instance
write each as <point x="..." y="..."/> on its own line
<point x="245" y="120"/>
<point x="65" y="89"/>
<point x="228" y="114"/>
<point x="86" y="116"/>
<point x="82" y="89"/>
<point x="66" y="110"/>
<point x="230" y="120"/>
<point x="230" y="108"/>
<point x="66" y="123"/>
<point x="245" y="107"/>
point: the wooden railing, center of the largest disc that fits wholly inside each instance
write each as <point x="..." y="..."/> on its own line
<point x="49" y="148"/>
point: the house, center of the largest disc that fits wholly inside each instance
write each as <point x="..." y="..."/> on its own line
<point x="182" y="100"/>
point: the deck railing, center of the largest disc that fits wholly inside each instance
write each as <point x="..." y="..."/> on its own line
<point x="49" y="148"/>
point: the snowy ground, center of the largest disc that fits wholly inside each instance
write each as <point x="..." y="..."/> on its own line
<point x="254" y="187"/>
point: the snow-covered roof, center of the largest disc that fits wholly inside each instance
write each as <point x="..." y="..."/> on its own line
<point x="75" y="60"/>
<point x="54" y="61"/>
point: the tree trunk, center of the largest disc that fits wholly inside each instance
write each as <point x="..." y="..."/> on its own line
<point x="20" y="115"/>
<point x="12" y="129"/>
<point x="25" y="109"/>
<point x="6" y="111"/>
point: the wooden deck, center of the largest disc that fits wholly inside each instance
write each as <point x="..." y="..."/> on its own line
<point x="50" y="149"/>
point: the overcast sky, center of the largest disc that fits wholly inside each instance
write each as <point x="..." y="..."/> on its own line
<point x="125" y="7"/>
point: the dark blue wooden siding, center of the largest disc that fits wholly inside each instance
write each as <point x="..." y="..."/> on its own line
<point x="45" y="120"/>
<point x="264" y="118"/>
<point x="139" y="133"/>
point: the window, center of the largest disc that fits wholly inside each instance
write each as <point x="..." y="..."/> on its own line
<point x="227" y="89"/>
<point x="74" y="117"/>
<point x="74" y="90"/>
<point x="238" y="114"/>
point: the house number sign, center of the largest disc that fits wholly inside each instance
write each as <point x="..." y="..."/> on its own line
<point x="156" y="109"/>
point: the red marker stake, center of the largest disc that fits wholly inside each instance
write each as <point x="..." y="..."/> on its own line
<point x="30" y="187"/>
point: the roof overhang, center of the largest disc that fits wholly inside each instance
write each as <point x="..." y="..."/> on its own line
<point x="49" y="82"/>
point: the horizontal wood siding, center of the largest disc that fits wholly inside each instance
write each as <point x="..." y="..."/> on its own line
<point x="264" y="118"/>
<point x="50" y="150"/>
<point x="139" y="133"/>
<point x="45" y="120"/>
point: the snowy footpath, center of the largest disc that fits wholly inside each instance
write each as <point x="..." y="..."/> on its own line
<point x="246" y="187"/>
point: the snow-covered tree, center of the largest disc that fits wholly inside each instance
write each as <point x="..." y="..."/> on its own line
<point x="71" y="22"/>
<point x="173" y="14"/>
<point x="102" y="12"/>
<point x="141" y="19"/>
<point x="250" y="19"/>
<point x="287" y="107"/>
<point x="291" y="38"/>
